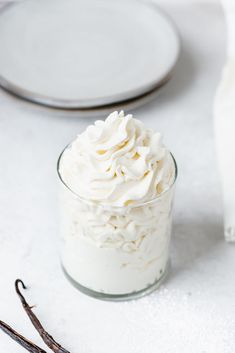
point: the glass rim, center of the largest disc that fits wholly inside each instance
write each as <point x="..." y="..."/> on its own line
<point x="98" y="203"/>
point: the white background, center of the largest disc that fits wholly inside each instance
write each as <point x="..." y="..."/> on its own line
<point x="195" y="309"/>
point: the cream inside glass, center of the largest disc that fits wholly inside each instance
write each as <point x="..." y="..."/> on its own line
<point x="116" y="193"/>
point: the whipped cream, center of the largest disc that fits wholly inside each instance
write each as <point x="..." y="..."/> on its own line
<point x="116" y="206"/>
<point x="118" y="162"/>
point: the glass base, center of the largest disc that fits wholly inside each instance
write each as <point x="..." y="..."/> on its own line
<point x="118" y="297"/>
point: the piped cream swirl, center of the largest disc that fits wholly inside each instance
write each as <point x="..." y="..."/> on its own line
<point x="118" y="162"/>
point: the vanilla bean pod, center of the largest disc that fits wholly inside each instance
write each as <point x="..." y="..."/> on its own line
<point x="48" y="339"/>
<point x="30" y="346"/>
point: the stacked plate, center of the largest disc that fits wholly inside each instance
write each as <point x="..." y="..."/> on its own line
<point x="86" y="55"/>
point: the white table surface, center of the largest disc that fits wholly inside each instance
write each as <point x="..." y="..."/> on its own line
<point x="194" y="311"/>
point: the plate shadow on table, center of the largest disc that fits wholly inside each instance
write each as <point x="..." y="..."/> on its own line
<point x="181" y="81"/>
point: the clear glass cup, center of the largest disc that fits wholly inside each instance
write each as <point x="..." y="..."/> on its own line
<point x="115" y="253"/>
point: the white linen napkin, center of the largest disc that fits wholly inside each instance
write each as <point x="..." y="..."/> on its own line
<point x="224" y="115"/>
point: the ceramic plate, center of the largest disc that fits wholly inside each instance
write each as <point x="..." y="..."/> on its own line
<point x="96" y="112"/>
<point x="85" y="53"/>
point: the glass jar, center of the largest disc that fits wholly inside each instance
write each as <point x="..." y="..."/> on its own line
<point x="115" y="253"/>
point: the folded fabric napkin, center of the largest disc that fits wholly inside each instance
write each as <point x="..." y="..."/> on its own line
<point x="224" y="114"/>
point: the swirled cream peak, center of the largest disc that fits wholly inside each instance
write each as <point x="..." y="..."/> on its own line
<point x="117" y="162"/>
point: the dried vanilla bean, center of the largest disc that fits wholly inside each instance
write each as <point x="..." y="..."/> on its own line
<point x="48" y="339"/>
<point x="30" y="346"/>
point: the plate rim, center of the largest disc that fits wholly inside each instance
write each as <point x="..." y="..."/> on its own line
<point x="73" y="104"/>
<point x="127" y="105"/>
